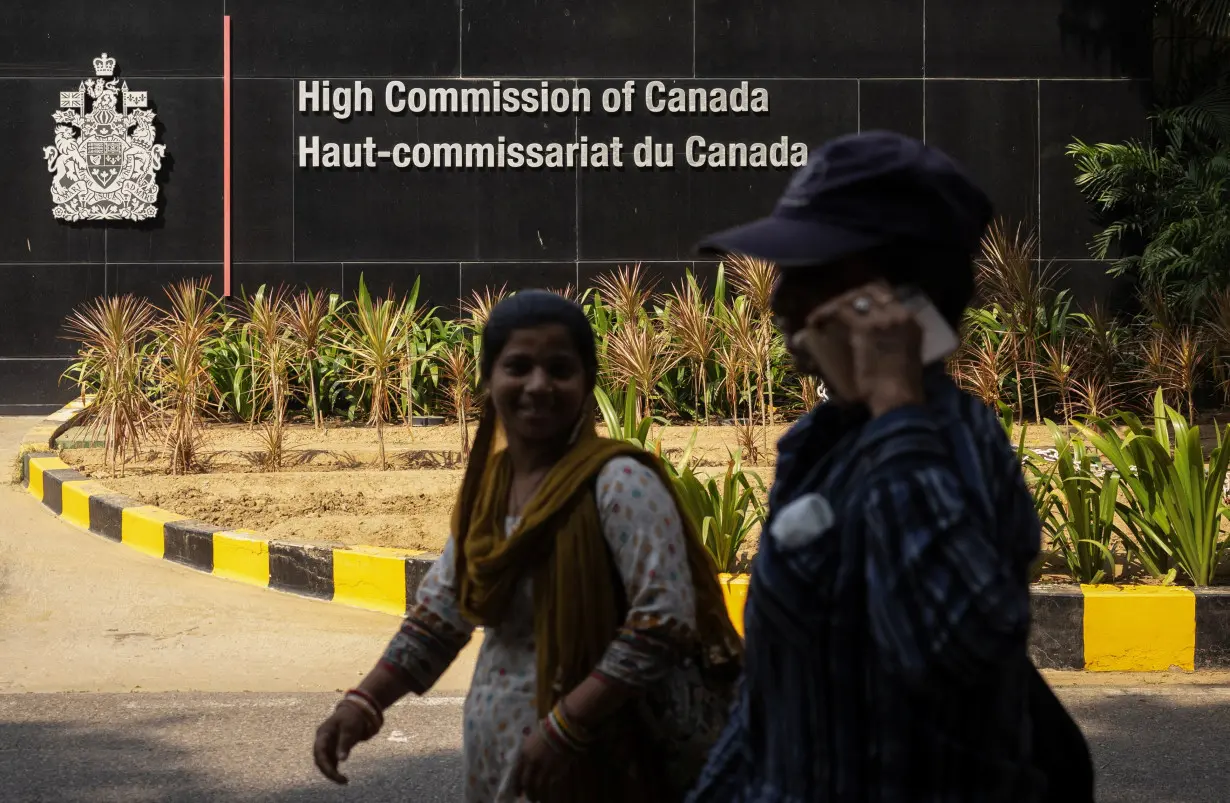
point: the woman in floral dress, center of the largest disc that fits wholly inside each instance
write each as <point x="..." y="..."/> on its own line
<point x="608" y="661"/>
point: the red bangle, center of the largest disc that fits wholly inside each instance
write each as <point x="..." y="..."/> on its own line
<point x="360" y="693"/>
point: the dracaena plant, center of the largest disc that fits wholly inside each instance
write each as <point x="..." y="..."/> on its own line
<point x="181" y="376"/>
<point x="268" y="322"/>
<point x="1175" y="498"/>
<point x="1008" y="278"/>
<point x="689" y="320"/>
<point x="112" y="371"/>
<point x="372" y="337"/>
<point x="754" y="280"/>
<point x="626" y="291"/>
<point x="310" y="314"/>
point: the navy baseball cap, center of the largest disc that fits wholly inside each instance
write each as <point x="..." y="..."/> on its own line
<point x="860" y="192"/>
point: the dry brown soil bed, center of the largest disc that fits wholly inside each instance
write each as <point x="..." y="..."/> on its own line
<point x="330" y="488"/>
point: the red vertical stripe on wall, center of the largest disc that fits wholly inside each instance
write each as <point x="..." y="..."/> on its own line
<point x="226" y="155"/>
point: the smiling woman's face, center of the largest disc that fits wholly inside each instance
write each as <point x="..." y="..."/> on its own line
<point x="538" y="384"/>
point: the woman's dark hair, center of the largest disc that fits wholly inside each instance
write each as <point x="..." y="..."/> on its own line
<point x="944" y="273"/>
<point x="530" y="308"/>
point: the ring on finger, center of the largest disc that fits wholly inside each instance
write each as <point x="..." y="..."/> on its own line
<point x="862" y="305"/>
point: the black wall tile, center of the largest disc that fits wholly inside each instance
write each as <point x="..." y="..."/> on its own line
<point x="438" y="214"/>
<point x="35" y="382"/>
<point x="150" y="281"/>
<point x="1038" y="39"/>
<point x="992" y="128"/>
<point x="478" y="277"/>
<point x="249" y="276"/>
<point x="508" y="221"/>
<point x="36" y="299"/>
<point x="352" y="37"/>
<point x="1093" y="112"/>
<point x="146" y="37"/>
<point x="891" y="106"/>
<point x="189" y="223"/>
<point x="584" y="38"/>
<point x="660" y="213"/>
<point x="809" y="38"/>
<point x="439" y="282"/>
<point x="30" y="233"/>
<point x="1088" y="281"/>
<point x="262" y="170"/>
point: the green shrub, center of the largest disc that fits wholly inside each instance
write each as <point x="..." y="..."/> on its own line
<point x="1175" y="505"/>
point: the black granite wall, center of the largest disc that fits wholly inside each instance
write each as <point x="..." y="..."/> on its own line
<point x="1002" y="84"/>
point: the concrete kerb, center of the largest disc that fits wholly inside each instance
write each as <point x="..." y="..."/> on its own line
<point x="1096" y="628"/>
<point x="370" y="578"/>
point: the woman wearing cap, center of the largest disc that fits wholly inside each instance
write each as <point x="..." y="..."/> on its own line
<point x="608" y="660"/>
<point x="888" y="611"/>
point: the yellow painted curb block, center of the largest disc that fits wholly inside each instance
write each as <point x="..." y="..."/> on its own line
<point x="371" y="578"/>
<point x="75" y="501"/>
<point x="1139" y="628"/>
<point x="242" y="555"/>
<point x="141" y="528"/>
<point x="734" y="589"/>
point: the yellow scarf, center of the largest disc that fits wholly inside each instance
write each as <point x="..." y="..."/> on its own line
<point x="560" y="544"/>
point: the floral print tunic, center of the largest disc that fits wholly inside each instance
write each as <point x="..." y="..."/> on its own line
<point x="641" y="524"/>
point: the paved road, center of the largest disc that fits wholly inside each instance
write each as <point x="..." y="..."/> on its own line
<point x="1152" y="745"/>
<point x="234" y="680"/>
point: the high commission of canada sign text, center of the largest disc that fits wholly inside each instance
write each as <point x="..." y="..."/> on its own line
<point x="541" y="99"/>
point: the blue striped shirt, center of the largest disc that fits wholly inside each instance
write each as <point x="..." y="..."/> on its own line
<point x="886" y="651"/>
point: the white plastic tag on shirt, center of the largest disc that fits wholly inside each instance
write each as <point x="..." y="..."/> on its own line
<point x="802" y="521"/>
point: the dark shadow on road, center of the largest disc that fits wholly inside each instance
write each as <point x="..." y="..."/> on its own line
<point x="141" y="761"/>
<point x="1165" y="745"/>
<point x="1153" y="748"/>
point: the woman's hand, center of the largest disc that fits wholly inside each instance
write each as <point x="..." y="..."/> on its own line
<point x="885" y="346"/>
<point x="538" y="766"/>
<point x="346" y="726"/>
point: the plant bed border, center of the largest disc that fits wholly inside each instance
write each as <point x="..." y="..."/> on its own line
<point x="1132" y="628"/>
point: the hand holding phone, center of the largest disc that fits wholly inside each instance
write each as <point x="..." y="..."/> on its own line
<point x="871" y="344"/>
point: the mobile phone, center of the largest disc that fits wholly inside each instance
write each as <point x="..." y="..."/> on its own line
<point x="939" y="340"/>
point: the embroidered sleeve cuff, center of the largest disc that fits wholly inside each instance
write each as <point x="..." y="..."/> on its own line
<point x="421" y="654"/>
<point x="636" y="659"/>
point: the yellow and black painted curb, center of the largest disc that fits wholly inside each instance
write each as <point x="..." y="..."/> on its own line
<point x="1097" y="628"/>
<point x="373" y="578"/>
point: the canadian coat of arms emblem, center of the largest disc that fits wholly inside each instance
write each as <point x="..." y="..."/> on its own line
<point x="110" y="171"/>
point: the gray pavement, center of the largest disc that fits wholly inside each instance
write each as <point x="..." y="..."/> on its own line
<point x="139" y="748"/>
<point x="1160" y="744"/>
<point x="124" y="678"/>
